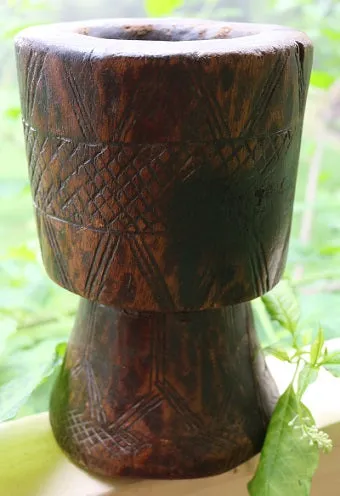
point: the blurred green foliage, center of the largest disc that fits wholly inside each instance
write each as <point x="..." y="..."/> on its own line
<point x="165" y="7"/>
<point x="36" y="316"/>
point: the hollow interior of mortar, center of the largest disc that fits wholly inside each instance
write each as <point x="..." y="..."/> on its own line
<point x="175" y="32"/>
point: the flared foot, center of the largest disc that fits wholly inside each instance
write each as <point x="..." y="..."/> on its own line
<point x="162" y="395"/>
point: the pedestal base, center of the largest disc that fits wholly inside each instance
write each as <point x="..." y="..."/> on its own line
<point x="162" y="395"/>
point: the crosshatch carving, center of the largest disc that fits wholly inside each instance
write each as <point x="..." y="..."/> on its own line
<point x="116" y="186"/>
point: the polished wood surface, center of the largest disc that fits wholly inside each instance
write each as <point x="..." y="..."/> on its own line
<point x="162" y="159"/>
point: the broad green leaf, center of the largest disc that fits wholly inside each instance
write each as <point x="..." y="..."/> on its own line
<point x="307" y="376"/>
<point x="39" y="400"/>
<point x="287" y="461"/>
<point x="277" y="353"/>
<point x="317" y="347"/>
<point x="282" y="306"/>
<point x="15" y="390"/>
<point x="322" y="79"/>
<point x="161" y="7"/>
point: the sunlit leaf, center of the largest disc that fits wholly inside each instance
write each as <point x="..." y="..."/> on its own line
<point x="332" y="358"/>
<point x="331" y="362"/>
<point x="333" y="369"/>
<point x="280" y="354"/>
<point x="317" y="347"/>
<point x="307" y="376"/>
<point x="282" y="306"/>
<point x="306" y="336"/>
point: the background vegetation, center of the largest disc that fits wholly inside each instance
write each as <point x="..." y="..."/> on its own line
<point x="36" y="316"/>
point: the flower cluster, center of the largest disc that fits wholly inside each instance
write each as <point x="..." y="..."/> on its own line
<point x="310" y="431"/>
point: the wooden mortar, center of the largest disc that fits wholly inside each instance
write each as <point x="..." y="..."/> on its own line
<point x="162" y="159"/>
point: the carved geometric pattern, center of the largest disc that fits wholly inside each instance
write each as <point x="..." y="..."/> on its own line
<point x="89" y="431"/>
<point x="58" y="256"/>
<point x="81" y="110"/>
<point x="115" y="438"/>
<point x="151" y="273"/>
<point x="34" y="72"/>
<point x="104" y="255"/>
<point x="118" y="186"/>
<point x="261" y="101"/>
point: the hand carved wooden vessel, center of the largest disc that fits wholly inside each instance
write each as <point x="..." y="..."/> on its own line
<point x="162" y="158"/>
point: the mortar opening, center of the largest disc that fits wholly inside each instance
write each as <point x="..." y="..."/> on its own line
<point x="150" y="32"/>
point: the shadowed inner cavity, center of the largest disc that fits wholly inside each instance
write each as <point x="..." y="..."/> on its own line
<point x="175" y="32"/>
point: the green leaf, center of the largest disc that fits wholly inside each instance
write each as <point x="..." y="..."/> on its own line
<point x="15" y="391"/>
<point x="306" y="336"/>
<point x="331" y="358"/>
<point x="14" y="394"/>
<point x="333" y="369"/>
<point x="307" y="376"/>
<point x="264" y="325"/>
<point x="317" y="347"/>
<point x="277" y="353"/>
<point x="322" y="80"/>
<point x="331" y="362"/>
<point x="39" y="400"/>
<point x="332" y="34"/>
<point x="60" y="351"/>
<point x="161" y="7"/>
<point x="282" y="306"/>
<point x="287" y="461"/>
